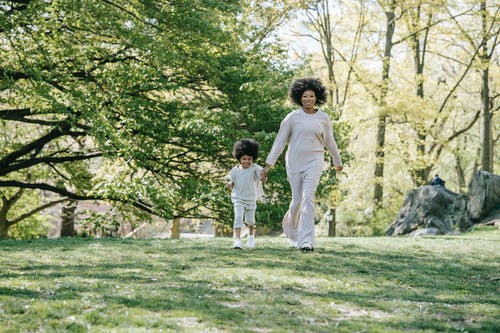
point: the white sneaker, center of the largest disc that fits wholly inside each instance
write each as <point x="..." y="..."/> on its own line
<point x="251" y="242"/>
<point x="293" y="243"/>
<point x="237" y="244"/>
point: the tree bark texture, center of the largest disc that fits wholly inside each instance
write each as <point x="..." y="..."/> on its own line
<point x="378" y="192"/>
<point x="68" y="216"/>
<point x="332" y="224"/>
<point x="176" y="228"/>
<point x="4" y="229"/>
<point x="486" y="135"/>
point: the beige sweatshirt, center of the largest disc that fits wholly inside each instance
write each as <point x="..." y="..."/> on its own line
<point x="307" y="135"/>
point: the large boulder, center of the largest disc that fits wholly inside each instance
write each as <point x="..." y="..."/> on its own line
<point x="431" y="207"/>
<point x="442" y="211"/>
<point x="484" y="195"/>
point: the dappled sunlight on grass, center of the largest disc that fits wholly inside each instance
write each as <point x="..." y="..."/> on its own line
<point x="348" y="284"/>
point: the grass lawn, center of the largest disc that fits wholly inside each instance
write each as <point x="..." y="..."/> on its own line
<point x="378" y="284"/>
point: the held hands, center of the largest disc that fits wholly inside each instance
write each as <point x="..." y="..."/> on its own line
<point x="265" y="170"/>
<point x="263" y="176"/>
<point x="263" y="173"/>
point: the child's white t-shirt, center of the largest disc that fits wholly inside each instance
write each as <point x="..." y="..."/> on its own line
<point x="247" y="188"/>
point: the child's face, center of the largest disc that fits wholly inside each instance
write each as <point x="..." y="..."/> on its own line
<point x="246" y="161"/>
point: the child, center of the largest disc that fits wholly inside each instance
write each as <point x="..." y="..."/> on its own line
<point x="245" y="183"/>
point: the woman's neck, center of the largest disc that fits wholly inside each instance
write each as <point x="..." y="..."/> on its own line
<point x="309" y="110"/>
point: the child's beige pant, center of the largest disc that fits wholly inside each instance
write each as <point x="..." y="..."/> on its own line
<point x="302" y="207"/>
<point x="243" y="213"/>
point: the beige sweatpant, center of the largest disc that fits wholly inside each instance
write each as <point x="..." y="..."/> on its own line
<point x="302" y="206"/>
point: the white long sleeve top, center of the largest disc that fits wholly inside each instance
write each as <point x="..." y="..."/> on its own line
<point x="307" y="136"/>
<point x="247" y="186"/>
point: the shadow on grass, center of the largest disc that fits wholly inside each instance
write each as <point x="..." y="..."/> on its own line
<point x="224" y="287"/>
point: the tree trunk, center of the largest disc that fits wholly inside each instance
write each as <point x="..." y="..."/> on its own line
<point x="460" y="174"/>
<point x="332" y="222"/>
<point x="378" y="193"/>
<point x="486" y="135"/>
<point x="176" y="228"/>
<point x="4" y="223"/>
<point x="68" y="215"/>
<point x="4" y="229"/>
<point x="7" y="204"/>
<point x="421" y="173"/>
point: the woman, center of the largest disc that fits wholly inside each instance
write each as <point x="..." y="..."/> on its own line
<point x="306" y="131"/>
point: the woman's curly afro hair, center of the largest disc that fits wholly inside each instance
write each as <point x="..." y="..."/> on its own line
<point x="308" y="83"/>
<point x="248" y="147"/>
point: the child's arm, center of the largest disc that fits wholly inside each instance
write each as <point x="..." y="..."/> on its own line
<point x="261" y="174"/>
<point x="260" y="177"/>
<point x="229" y="180"/>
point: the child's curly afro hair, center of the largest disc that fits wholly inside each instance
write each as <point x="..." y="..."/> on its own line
<point x="248" y="147"/>
<point x="307" y="83"/>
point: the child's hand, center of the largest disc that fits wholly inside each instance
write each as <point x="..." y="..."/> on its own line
<point x="263" y="176"/>
<point x="230" y="185"/>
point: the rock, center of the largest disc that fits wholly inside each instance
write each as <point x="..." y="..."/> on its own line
<point x="435" y="207"/>
<point x="484" y="195"/>
<point x="425" y="232"/>
<point x="431" y="207"/>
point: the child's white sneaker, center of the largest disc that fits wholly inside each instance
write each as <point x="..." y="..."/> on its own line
<point x="237" y="244"/>
<point x="251" y="241"/>
<point x="294" y="244"/>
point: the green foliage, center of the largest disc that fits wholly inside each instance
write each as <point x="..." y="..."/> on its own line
<point x="31" y="228"/>
<point x="18" y="203"/>
<point x="358" y="220"/>
<point x="159" y="90"/>
<point x="270" y="215"/>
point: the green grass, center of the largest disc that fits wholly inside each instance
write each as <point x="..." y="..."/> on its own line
<point x="379" y="284"/>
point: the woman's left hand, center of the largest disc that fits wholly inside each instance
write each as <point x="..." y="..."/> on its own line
<point x="339" y="168"/>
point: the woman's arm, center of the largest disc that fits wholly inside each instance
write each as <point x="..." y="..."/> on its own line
<point x="280" y="142"/>
<point x="331" y="145"/>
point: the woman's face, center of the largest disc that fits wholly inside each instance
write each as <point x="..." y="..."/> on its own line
<point x="308" y="99"/>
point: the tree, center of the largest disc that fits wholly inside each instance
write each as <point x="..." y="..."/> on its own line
<point x="378" y="193"/>
<point x="128" y="101"/>
<point x="431" y="137"/>
<point x="424" y="105"/>
<point x="322" y="22"/>
<point x="432" y="130"/>
<point x="15" y="209"/>
<point x="489" y="41"/>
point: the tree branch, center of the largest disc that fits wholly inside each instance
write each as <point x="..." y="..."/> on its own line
<point x="49" y="160"/>
<point x="429" y="25"/>
<point x="37" y="144"/>
<point x="62" y="191"/>
<point x="34" y="211"/>
<point x="47" y="187"/>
